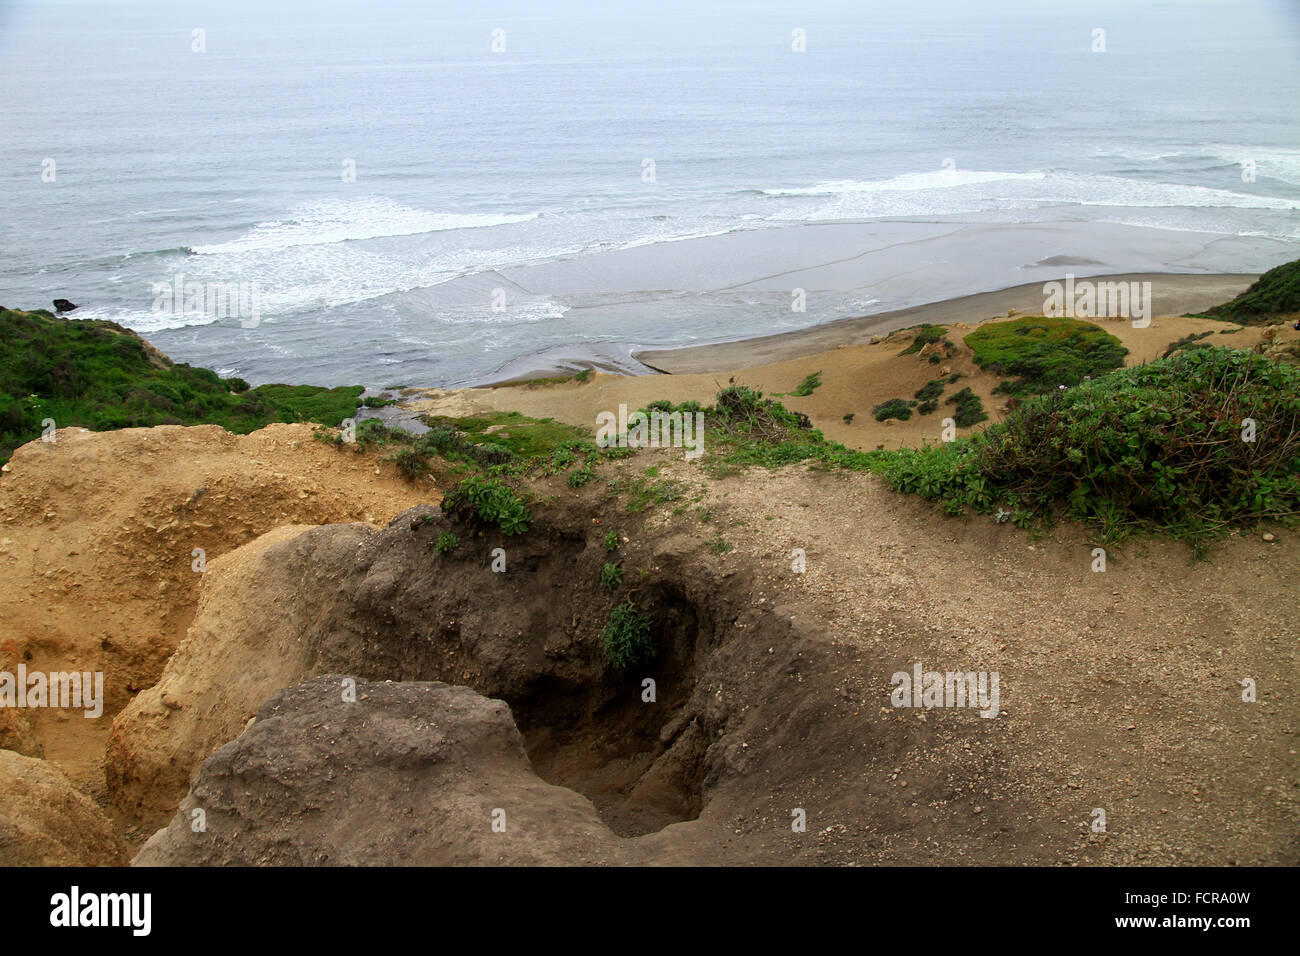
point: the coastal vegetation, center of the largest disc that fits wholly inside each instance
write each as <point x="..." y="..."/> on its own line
<point x="810" y="384"/>
<point x="893" y="408"/>
<point x="99" y="375"/>
<point x="1158" y="448"/>
<point x="1043" y="353"/>
<point x="488" y="501"/>
<point x="1276" y="292"/>
<point x="969" y="411"/>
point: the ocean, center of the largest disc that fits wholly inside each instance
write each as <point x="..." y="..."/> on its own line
<point x="424" y="193"/>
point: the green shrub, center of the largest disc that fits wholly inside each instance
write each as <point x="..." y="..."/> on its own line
<point x="611" y="540"/>
<point x="611" y="575"/>
<point x="1276" y="291"/>
<point x="894" y="408"/>
<point x="931" y="389"/>
<point x="1044" y="353"/>
<point x="627" y="637"/>
<point x="447" y="542"/>
<point x="409" y="462"/>
<point x="311" y="403"/>
<point x="371" y="431"/>
<point x="488" y="501"/>
<point x="1189" y="341"/>
<point x="809" y="385"/>
<point x="1157" y="447"/>
<point x="970" y="410"/>
<point x="580" y="476"/>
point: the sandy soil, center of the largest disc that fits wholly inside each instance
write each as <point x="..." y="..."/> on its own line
<point x="97" y="533"/>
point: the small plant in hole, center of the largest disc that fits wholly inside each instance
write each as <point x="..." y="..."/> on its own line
<point x="447" y="542"/>
<point x="611" y="575"/>
<point x="848" y="419"/>
<point x="627" y="637"/>
<point x="580" y="476"/>
<point x="611" y="540"/>
<point x="720" y="546"/>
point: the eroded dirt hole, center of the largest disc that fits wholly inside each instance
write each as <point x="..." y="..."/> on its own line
<point x="638" y="760"/>
<point x="531" y="636"/>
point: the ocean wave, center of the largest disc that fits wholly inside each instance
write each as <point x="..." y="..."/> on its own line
<point x="1271" y="162"/>
<point x="147" y="322"/>
<point x="515" y="313"/>
<point x="906" y="182"/>
<point x="945" y="193"/>
<point x="333" y="221"/>
<point x="681" y="237"/>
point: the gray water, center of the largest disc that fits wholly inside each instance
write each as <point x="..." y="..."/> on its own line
<point x="501" y="206"/>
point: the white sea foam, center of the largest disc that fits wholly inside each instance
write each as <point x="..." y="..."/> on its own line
<point x="336" y="220"/>
<point x="907" y="182"/>
<point x="948" y="193"/>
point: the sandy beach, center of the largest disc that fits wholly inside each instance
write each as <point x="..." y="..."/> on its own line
<point x="1172" y="295"/>
<point x="857" y="374"/>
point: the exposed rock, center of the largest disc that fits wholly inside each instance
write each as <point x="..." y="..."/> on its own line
<point x="63" y="305"/>
<point x="45" y="821"/>
<point x="418" y="774"/>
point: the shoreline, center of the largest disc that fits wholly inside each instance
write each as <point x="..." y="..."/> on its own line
<point x="1172" y="294"/>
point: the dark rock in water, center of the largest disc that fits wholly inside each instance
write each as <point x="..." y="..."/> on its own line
<point x="63" y="305"/>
